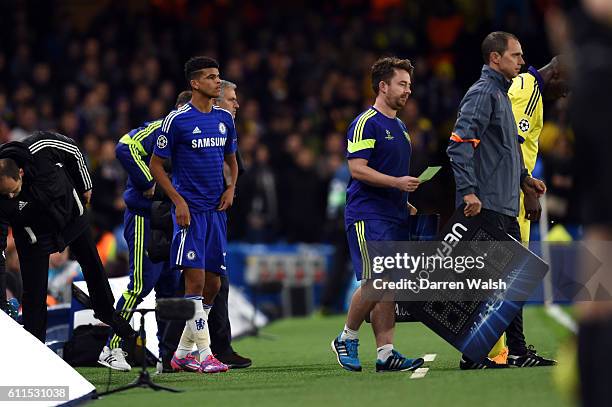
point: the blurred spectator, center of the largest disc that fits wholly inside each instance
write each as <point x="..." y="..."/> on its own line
<point x="304" y="197"/>
<point x="71" y="98"/>
<point x="41" y="80"/>
<point x="258" y="195"/>
<point x="336" y="282"/>
<point x="90" y="147"/>
<point x="332" y="157"/>
<point x="47" y="120"/>
<point x="62" y="272"/>
<point x="27" y="121"/>
<point x="557" y="158"/>
<point x="69" y="125"/>
<point x="424" y="141"/>
<point x="108" y="178"/>
<point x="558" y="171"/>
<point x="14" y="286"/>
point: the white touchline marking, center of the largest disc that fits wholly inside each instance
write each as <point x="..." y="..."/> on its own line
<point x="561" y="317"/>
<point x="419" y="373"/>
<point x="430" y="357"/>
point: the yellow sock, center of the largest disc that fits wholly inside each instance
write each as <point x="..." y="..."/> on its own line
<point x="498" y="347"/>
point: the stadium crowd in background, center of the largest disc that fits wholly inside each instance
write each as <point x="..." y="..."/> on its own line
<point x="95" y="70"/>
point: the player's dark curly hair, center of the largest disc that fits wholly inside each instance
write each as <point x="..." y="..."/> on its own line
<point x="384" y="69"/>
<point x="196" y="64"/>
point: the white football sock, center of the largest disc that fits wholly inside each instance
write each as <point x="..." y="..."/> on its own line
<point x="205" y="350"/>
<point x="186" y="343"/>
<point x="348" y="333"/>
<point x="384" y="352"/>
<point x="187" y="340"/>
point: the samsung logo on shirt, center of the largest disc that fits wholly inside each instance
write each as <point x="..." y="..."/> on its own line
<point x="208" y="142"/>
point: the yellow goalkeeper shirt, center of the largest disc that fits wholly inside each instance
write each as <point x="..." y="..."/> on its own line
<point x="526" y="98"/>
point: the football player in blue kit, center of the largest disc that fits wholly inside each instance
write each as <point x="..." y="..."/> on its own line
<point x="198" y="137"/>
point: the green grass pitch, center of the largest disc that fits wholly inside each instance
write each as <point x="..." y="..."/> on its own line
<point x="298" y="368"/>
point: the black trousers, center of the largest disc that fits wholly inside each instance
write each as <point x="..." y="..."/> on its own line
<point x="515" y="337"/>
<point x="34" y="264"/>
<point x="219" y="323"/>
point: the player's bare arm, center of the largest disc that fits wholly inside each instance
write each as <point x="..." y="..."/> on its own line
<point x="362" y="172"/>
<point x="227" y="198"/>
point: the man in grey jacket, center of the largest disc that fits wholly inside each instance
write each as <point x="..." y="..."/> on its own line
<point x="488" y="166"/>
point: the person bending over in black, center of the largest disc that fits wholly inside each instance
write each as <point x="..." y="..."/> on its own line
<point x="44" y="187"/>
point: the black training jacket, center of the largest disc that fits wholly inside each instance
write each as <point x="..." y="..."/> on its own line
<point x="49" y="211"/>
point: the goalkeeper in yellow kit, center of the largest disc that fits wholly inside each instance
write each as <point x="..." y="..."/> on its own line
<point x="526" y="94"/>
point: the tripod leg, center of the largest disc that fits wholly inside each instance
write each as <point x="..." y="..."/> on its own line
<point x="144" y="379"/>
<point x="157" y="387"/>
<point x="122" y="388"/>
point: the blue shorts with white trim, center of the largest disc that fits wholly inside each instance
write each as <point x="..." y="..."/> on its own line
<point x="203" y="244"/>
